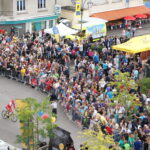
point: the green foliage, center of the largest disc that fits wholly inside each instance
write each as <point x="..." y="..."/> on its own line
<point x="93" y="47"/>
<point x="97" y="140"/>
<point x="144" y="85"/>
<point x="100" y="47"/>
<point x="32" y="125"/>
<point x="123" y="83"/>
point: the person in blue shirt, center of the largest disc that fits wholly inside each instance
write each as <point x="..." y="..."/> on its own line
<point x="105" y="66"/>
<point x="96" y="59"/>
<point x="138" y="144"/>
<point x="135" y="74"/>
<point x="110" y="94"/>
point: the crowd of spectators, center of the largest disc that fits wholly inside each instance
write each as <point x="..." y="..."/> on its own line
<point x="40" y="61"/>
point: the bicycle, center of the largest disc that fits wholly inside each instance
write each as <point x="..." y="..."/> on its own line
<point x="6" y="114"/>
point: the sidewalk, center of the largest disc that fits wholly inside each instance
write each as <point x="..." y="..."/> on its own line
<point x="6" y="146"/>
<point x="144" y="30"/>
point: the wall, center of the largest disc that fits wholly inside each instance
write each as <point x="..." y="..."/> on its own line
<point x="34" y="12"/>
<point x="6" y="6"/>
<point x="64" y="2"/>
<point x="70" y="15"/>
<point x="115" y="5"/>
<point x="0" y="7"/>
<point x="134" y="3"/>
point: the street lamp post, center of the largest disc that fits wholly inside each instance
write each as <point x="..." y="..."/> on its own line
<point x="81" y="13"/>
<point x="89" y="3"/>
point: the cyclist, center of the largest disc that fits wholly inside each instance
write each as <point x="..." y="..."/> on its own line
<point x="11" y="107"/>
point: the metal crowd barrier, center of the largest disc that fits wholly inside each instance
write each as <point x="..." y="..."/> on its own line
<point x="31" y="80"/>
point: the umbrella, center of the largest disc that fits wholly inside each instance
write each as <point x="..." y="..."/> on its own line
<point x="129" y="18"/>
<point x="140" y="16"/>
<point x="45" y="116"/>
<point x="41" y="113"/>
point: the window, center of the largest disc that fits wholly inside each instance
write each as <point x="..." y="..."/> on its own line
<point x="51" y="23"/>
<point x="21" y="5"/>
<point x="41" y="3"/>
<point x="43" y="25"/>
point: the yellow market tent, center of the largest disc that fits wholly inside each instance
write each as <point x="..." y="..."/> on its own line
<point x="135" y="45"/>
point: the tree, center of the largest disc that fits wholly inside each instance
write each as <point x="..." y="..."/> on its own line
<point x="144" y="85"/>
<point x="123" y="95"/>
<point x="32" y="124"/>
<point x="96" y="140"/>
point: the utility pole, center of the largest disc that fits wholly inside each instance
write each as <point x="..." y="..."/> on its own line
<point x="55" y="2"/>
<point x="82" y="9"/>
<point x="83" y="2"/>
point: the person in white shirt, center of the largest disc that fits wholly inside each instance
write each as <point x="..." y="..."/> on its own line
<point x="54" y="107"/>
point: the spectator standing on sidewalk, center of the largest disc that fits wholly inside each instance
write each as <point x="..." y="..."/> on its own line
<point x="54" y="107"/>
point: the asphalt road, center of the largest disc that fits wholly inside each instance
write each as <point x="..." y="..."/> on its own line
<point x="10" y="89"/>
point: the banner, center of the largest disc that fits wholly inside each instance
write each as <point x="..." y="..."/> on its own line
<point x="78" y="8"/>
<point x="97" y="30"/>
<point x="55" y="30"/>
<point x="56" y="33"/>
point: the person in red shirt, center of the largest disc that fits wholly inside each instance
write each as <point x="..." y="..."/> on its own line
<point x="11" y="106"/>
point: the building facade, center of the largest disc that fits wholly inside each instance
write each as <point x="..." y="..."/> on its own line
<point x="27" y="15"/>
<point x="108" y="5"/>
<point x="96" y="6"/>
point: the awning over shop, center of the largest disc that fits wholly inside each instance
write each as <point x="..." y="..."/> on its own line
<point x="135" y="45"/>
<point x="121" y="13"/>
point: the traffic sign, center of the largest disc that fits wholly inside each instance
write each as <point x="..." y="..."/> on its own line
<point x="57" y="9"/>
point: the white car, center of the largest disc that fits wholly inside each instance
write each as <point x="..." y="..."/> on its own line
<point x="5" y="146"/>
<point x="66" y="22"/>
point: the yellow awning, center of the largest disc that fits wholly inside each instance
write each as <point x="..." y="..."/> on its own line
<point x="135" y="45"/>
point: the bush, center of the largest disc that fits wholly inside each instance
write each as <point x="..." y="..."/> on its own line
<point x="144" y="85"/>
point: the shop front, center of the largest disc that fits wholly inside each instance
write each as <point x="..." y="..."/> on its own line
<point x="121" y="18"/>
<point x="37" y="26"/>
<point x="28" y="25"/>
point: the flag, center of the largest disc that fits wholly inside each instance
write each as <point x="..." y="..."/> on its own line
<point x="56" y="33"/>
<point x="78" y="8"/>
